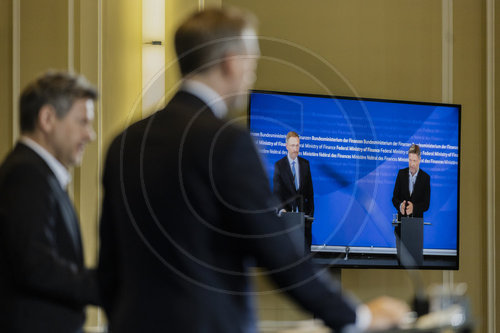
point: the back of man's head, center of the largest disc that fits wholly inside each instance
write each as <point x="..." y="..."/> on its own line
<point x="206" y="37"/>
<point x="58" y="89"/>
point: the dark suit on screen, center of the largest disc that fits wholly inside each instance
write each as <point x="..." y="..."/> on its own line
<point x="284" y="187"/>
<point x="291" y="198"/>
<point x="43" y="283"/>
<point x="420" y="197"/>
<point x="185" y="214"/>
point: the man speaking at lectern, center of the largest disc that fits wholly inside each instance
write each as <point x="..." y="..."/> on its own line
<point x="292" y="183"/>
<point x="412" y="191"/>
<point x="292" y="180"/>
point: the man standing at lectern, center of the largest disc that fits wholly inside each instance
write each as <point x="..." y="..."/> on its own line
<point x="292" y="180"/>
<point x="412" y="191"/>
<point x="292" y="183"/>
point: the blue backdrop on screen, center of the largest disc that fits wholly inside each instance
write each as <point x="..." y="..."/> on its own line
<point x="355" y="149"/>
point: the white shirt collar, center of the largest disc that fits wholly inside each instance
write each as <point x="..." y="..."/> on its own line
<point x="207" y="95"/>
<point x="416" y="174"/>
<point x="290" y="159"/>
<point x="61" y="173"/>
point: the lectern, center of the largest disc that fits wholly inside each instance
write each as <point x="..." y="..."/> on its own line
<point x="411" y="242"/>
<point x="294" y="223"/>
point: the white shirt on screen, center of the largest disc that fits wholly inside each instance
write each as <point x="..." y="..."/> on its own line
<point x="412" y="180"/>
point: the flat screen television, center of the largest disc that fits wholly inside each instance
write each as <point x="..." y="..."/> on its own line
<point x="355" y="147"/>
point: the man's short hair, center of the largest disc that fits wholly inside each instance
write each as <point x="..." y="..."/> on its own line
<point x="58" y="89"/>
<point x="206" y="37"/>
<point x="414" y="149"/>
<point x="292" y="134"/>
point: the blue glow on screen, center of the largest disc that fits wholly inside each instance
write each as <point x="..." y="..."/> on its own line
<point x="355" y="149"/>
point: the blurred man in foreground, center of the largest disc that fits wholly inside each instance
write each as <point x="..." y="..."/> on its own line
<point x="44" y="285"/>
<point x="188" y="207"/>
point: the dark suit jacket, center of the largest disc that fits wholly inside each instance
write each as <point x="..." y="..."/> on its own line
<point x="420" y="197"/>
<point x="284" y="187"/>
<point x="187" y="210"/>
<point x="43" y="283"/>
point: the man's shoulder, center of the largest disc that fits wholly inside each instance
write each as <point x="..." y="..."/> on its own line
<point x="424" y="174"/>
<point x="191" y="112"/>
<point x="303" y="160"/>
<point x="281" y="161"/>
<point x="183" y="110"/>
<point x="23" y="159"/>
<point x="186" y="104"/>
<point x="23" y="166"/>
<point x="185" y="121"/>
<point x="404" y="171"/>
